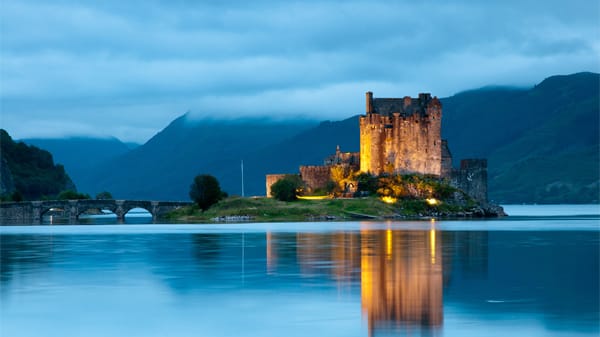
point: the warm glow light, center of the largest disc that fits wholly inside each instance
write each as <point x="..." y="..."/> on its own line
<point x="270" y="255"/>
<point x="389" y="200"/>
<point x="366" y="273"/>
<point x="313" y="197"/>
<point x="432" y="201"/>
<point x="388" y="244"/>
<point x="432" y="242"/>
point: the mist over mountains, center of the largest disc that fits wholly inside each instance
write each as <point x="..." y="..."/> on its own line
<point x="542" y="145"/>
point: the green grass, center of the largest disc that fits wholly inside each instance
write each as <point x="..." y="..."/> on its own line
<point x="269" y="209"/>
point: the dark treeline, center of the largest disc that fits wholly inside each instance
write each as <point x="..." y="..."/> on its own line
<point x="28" y="172"/>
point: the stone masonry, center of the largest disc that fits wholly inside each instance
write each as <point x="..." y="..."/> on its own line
<point x="401" y="135"/>
<point x="35" y="210"/>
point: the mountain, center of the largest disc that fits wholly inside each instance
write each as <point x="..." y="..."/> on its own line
<point x="541" y="144"/>
<point x="29" y="171"/>
<point x="80" y="155"/>
<point x="308" y="147"/>
<point x="165" y="166"/>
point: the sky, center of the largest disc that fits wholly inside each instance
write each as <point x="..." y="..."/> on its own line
<point x="127" y="68"/>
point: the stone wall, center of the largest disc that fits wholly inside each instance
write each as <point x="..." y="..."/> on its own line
<point x="315" y="176"/>
<point x="35" y="210"/>
<point x="16" y="211"/>
<point x="270" y="180"/>
<point x="471" y="177"/>
<point x="446" y="171"/>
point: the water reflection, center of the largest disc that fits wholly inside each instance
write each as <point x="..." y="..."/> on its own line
<point x="401" y="280"/>
<point x="400" y="273"/>
<point x="396" y="281"/>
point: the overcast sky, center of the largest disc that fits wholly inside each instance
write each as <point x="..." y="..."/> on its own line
<point x="127" y="68"/>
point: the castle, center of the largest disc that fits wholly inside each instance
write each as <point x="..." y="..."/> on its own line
<point x="403" y="135"/>
<point x="400" y="136"/>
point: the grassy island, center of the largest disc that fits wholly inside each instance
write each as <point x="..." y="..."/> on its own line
<point x="269" y="209"/>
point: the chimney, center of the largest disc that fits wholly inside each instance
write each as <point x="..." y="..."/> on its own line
<point x="369" y="97"/>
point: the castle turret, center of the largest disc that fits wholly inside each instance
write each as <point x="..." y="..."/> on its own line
<point x="369" y="97"/>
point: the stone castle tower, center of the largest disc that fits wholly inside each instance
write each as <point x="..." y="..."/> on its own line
<point x="403" y="135"/>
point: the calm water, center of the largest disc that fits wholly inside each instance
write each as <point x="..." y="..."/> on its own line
<point x="536" y="274"/>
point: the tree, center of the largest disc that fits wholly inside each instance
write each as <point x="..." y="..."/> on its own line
<point x="16" y="196"/>
<point x="104" y="196"/>
<point x="205" y="191"/>
<point x="285" y="189"/>
<point x="72" y="195"/>
<point x="31" y="169"/>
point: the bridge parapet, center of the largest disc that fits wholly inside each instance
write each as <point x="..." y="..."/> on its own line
<point x="35" y="210"/>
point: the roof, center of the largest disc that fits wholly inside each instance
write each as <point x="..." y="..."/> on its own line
<point x="406" y="106"/>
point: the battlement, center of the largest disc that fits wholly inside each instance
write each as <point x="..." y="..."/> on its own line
<point x="405" y="106"/>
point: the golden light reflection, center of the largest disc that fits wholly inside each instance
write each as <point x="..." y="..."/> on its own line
<point x="432" y="201"/>
<point x="400" y="288"/>
<point x="388" y="244"/>
<point x="271" y="254"/>
<point x="432" y="245"/>
<point x="388" y="200"/>
<point x="400" y="272"/>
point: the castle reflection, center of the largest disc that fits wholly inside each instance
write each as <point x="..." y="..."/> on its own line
<point x="400" y="272"/>
<point x="401" y="279"/>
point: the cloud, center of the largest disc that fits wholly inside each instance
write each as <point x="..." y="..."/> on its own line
<point x="132" y="66"/>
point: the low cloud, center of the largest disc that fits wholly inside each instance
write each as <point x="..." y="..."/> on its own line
<point x="133" y="66"/>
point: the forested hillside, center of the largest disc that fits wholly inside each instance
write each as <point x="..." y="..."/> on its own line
<point x="29" y="172"/>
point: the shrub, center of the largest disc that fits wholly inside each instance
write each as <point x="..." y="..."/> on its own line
<point x="366" y="183"/>
<point x="285" y="189"/>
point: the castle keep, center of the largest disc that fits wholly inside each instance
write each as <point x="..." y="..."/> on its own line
<point x="401" y="135"/>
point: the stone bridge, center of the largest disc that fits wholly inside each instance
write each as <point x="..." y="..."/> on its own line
<point x="35" y="210"/>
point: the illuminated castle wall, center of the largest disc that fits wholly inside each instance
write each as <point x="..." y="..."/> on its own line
<point x="403" y="135"/>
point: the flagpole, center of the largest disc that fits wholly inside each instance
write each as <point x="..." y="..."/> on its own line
<point x="242" y="178"/>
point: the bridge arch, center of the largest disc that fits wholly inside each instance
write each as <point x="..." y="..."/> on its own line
<point x="128" y="212"/>
<point x="128" y="205"/>
<point x="45" y="209"/>
<point x="46" y="206"/>
<point x="83" y="209"/>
